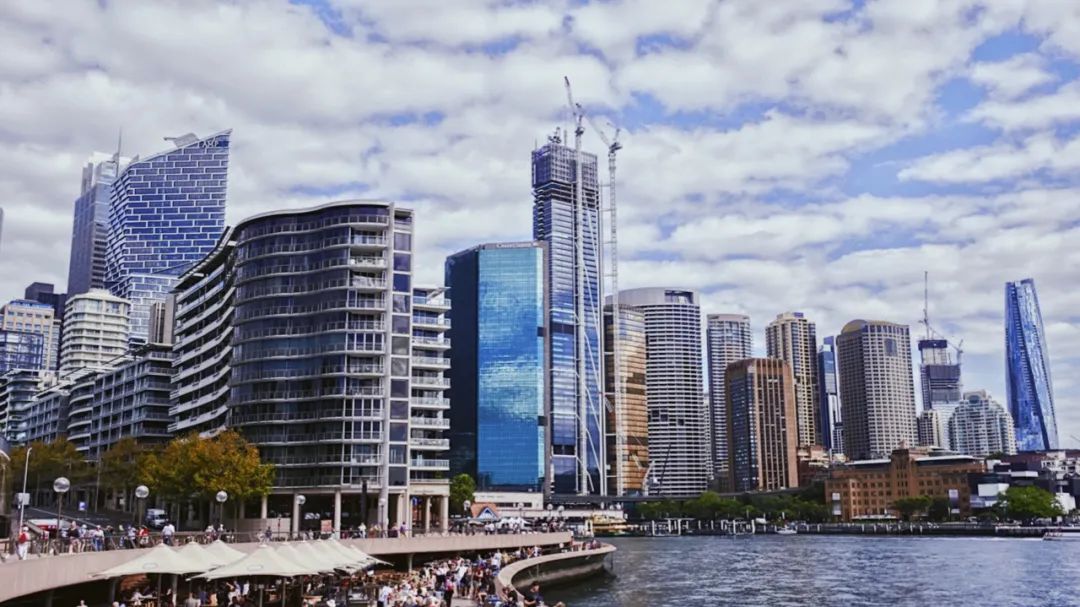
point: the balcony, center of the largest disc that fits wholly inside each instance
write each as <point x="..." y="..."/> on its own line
<point x="432" y="342"/>
<point x="434" y="404"/>
<point x="422" y="381"/>
<point x="435" y="423"/>
<point x="434" y="362"/>
<point x="426" y="322"/>
<point x="438" y="302"/>
<point x="435" y="444"/>
<point x="430" y="464"/>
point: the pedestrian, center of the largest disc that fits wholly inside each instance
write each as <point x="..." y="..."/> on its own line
<point x="191" y="601"/>
<point x="167" y="533"/>
<point x="22" y="545"/>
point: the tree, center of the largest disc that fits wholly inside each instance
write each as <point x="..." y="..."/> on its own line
<point x="462" y="489"/>
<point x="939" y="509"/>
<point x="908" y="507"/>
<point x="1027" y="503"/>
<point x="49" y="461"/>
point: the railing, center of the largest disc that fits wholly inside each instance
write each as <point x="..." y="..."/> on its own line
<point x="377" y="303"/>
<point x="259" y="354"/>
<point x="317" y="415"/>
<point x="430" y="422"/>
<point x="434" y="322"/>
<point x="431" y="360"/>
<point x="443" y="302"/>
<point x="425" y="401"/>
<point x="430" y="464"/>
<point x="315" y="437"/>
<point x="421" y="380"/>
<point x="373" y="325"/>
<point x="298" y="394"/>
<point x="293" y="373"/>
<point x="433" y="341"/>
<point x="430" y="442"/>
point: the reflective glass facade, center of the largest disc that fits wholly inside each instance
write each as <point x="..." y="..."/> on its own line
<point x="21" y="350"/>
<point x="728" y="339"/>
<point x="497" y="370"/>
<point x="832" y="421"/>
<point x="556" y="223"/>
<point x="1027" y="369"/>
<point x="89" y="232"/>
<point x="166" y="212"/>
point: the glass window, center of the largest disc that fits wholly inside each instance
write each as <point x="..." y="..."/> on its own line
<point x="399" y="388"/>
<point x="399" y="409"/>
<point x="401" y="303"/>
<point x="402" y="283"/>
<point x="399" y="367"/>
<point x="399" y="476"/>
<point x="399" y="432"/>
<point x="401" y="324"/>
<point x="402" y="241"/>
<point x="401" y="345"/>
<point x="402" y="261"/>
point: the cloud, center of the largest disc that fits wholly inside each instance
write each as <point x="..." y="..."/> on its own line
<point x="1042" y="152"/>
<point x="1012" y="77"/>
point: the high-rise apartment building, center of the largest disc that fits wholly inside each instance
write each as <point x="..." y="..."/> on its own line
<point x="939" y="375"/>
<point x="728" y="339"/>
<point x="498" y="424"/>
<point x="678" y="418"/>
<point x="762" y="428"/>
<point x="981" y="427"/>
<point x="166" y="213"/>
<point x="21" y="350"/>
<point x="96" y="331"/>
<point x="17" y="390"/>
<point x="832" y="418"/>
<point x="877" y="394"/>
<point x="1027" y="369"/>
<point x="90" y="228"/>
<point x="334" y="362"/>
<point x="628" y="437"/>
<point x="793" y="338"/>
<point x="932" y="428"/>
<point x="34" y="317"/>
<point x="570" y="229"/>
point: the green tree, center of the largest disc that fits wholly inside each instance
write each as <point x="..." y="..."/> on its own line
<point x="49" y="461"/>
<point x="939" y="509"/>
<point x="908" y="507"/>
<point x="462" y="489"/>
<point x="1027" y="503"/>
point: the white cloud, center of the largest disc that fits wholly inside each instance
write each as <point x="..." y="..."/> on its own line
<point x="998" y="161"/>
<point x="1012" y="77"/>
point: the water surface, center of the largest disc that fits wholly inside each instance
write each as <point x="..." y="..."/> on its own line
<point x="800" y="570"/>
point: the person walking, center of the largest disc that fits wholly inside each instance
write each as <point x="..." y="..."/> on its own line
<point x="191" y="601"/>
<point x="22" y="544"/>
<point x="167" y="533"/>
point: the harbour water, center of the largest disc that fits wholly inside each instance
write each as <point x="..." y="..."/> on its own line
<point x="777" y="571"/>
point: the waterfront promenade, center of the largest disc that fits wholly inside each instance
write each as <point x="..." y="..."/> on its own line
<point x="42" y="573"/>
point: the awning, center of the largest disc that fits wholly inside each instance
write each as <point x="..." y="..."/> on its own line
<point x="223" y="551"/>
<point x="361" y="557"/>
<point x="197" y="553"/>
<point x="159" y="559"/>
<point x="263" y="561"/>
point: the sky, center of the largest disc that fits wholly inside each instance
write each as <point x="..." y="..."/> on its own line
<point x="809" y="155"/>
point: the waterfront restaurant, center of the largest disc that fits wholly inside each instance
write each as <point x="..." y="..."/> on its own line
<point x="867" y="490"/>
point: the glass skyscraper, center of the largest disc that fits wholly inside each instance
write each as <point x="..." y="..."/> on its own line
<point x="166" y="212"/>
<point x="939" y="376"/>
<point x="832" y="420"/>
<point x="577" y="420"/>
<point x="21" y="350"/>
<point x="1027" y="369"/>
<point x="728" y="339"/>
<point x="90" y="228"/>
<point x="497" y="427"/>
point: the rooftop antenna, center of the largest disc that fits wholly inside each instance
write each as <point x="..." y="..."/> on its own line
<point x="119" y="144"/>
<point x="926" y="302"/>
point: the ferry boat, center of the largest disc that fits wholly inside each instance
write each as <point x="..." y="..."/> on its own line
<point x="1068" y="534"/>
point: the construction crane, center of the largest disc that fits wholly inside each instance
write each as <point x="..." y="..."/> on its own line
<point x="930" y="332"/>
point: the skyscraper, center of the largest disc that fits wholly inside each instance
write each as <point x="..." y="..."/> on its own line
<point x="877" y="394"/>
<point x="728" y="339"/>
<point x="166" y="212"/>
<point x="981" y="426"/>
<point x="939" y="375"/>
<point x="497" y="422"/>
<point x="1027" y="369"/>
<point x="96" y="331"/>
<point x="90" y="229"/>
<point x="832" y="418"/>
<point x="793" y="338"/>
<point x="678" y="417"/>
<point x="762" y="427"/>
<point x="21" y="350"/>
<point x="34" y="317"/>
<point x="628" y="438"/>
<point x="570" y="229"/>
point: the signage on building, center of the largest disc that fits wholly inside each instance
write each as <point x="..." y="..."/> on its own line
<point x="954" y="501"/>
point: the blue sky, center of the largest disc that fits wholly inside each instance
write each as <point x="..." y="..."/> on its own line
<point x="815" y="155"/>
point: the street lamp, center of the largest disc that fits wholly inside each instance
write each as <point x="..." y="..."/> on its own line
<point x="300" y="501"/>
<point x="60" y="486"/>
<point x="141" y="493"/>
<point x="221" y="497"/>
<point x="384" y="517"/>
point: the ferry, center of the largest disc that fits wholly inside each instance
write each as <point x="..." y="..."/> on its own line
<point x="1066" y="534"/>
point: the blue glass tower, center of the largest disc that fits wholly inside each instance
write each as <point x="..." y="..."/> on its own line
<point x="832" y="423"/>
<point x="23" y="350"/>
<point x="90" y="228"/>
<point x="1027" y="369"/>
<point x="166" y="212"/>
<point x="577" y="435"/>
<point x="497" y="422"/>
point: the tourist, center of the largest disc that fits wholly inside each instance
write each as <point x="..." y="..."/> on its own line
<point x="167" y="533"/>
<point x="22" y="544"/>
<point x="533" y="597"/>
<point x="191" y="601"/>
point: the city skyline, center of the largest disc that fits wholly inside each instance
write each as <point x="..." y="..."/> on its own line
<point x="890" y="165"/>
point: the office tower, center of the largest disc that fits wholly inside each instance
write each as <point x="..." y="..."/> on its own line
<point x="573" y="316"/>
<point x="981" y="427"/>
<point x="128" y="400"/>
<point x="832" y="419"/>
<point x="793" y="338"/>
<point x="90" y="229"/>
<point x="324" y="368"/>
<point x="497" y="365"/>
<point x="34" y="317"/>
<point x="162" y="321"/>
<point x="678" y="417"/>
<point x="96" y="331"/>
<point x="938" y="374"/>
<point x="43" y="292"/>
<point x="1027" y="369"/>
<point x="762" y="425"/>
<point x="21" y="350"/>
<point x="166" y="212"/>
<point x="729" y="339"/>
<point x="628" y="438"/>
<point x="877" y="394"/>
<point x="202" y="342"/>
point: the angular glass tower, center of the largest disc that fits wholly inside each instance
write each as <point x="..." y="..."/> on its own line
<point x="832" y="420"/>
<point x="728" y="339"/>
<point x="166" y="212"/>
<point x="577" y="416"/>
<point x="90" y="228"/>
<point x="497" y="423"/>
<point x="1027" y="369"/>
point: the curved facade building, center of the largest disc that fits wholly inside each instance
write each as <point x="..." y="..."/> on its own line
<point x="679" y="455"/>
<point x="1027" y="369"/>
<point x="96" y="329"/>
<point x="729" y="339"/>
<point x="981" y="427"/>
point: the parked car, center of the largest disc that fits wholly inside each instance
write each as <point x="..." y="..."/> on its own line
<point x="155" y="518"/>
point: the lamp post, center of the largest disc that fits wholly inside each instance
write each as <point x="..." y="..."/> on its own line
<point x="60" y="486"/>
<point x="221" y="498"/>
<point x="22" y="497"/>
<point x="384" y="517"/>
<point x="141" y="493"/>
<point x="300" y="501"/>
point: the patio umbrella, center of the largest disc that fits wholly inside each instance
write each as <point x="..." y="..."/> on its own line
<point x="359" y="556"/>
<point x="195" y="552"/>
<point x="160" y="560"/>
<point x="290" y="552"/>
<point x="263" y="561"/>
<point x="317" y="552"/>
<point x="223" y="551"/>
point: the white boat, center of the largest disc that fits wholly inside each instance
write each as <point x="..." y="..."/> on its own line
<point x="1061" y="535"/>
<point x="786" y="531"/>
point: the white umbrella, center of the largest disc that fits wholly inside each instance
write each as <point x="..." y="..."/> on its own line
<point x="224" y="552"/>
<point x="195" y="552"/>
<point x="322" y="556"/>
<point x="361" y="557"/>
<point x="161" y="560"/>
<point x="290" y="552"/>
<point x="263" y="561"/>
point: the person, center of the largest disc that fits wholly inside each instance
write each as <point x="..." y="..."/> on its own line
<point x="82" y="603"/>
<point x="191" y="601"/>
<point x="167" y="533"/>
<point x="384" y="595"/>
<point x="533" y="597"/>
<point x="23" y="543"/>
